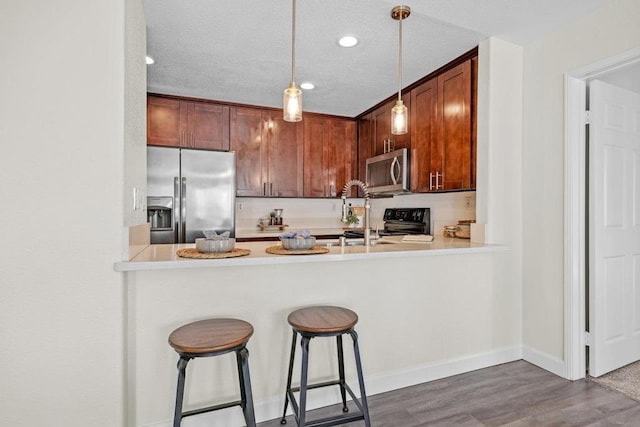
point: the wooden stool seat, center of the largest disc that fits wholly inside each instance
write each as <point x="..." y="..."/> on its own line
<point x="323" y="319"/>
<point x="210" y="336"/>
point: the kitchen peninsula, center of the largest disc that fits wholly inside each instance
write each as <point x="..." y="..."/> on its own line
<point x="426" y="311"/>
<point x="157" y="257"/>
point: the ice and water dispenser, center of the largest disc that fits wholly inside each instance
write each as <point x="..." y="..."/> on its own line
<point x="160" y="218"/>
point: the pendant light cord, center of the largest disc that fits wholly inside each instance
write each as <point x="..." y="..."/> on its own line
<point x="293" y="41"/>
<point x="399" y="60"/>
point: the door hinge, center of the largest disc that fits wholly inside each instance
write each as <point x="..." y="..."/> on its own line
<point x="587" y="117"/>
<point x="587" y="338"/>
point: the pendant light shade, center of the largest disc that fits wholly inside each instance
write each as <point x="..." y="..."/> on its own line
<point x="292" y="95"/>
<point x="292" y="103"/>
<point x="399" y="118"/>
<point x="399" y="113"/>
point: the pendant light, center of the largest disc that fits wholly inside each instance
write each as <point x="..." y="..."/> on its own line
<point x="399" y="114"/>
<point x="293" y="95"/>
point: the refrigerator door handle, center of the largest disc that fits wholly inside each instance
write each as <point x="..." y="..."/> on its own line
<point x="183" y="210"/>
<point x="176" y="206"/>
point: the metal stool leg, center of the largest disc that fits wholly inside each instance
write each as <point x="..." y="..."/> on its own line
<point x="286" y="393"/>
<point x="303" y="380"/>
<point x="246" y="396"/>
<point x="177" y="414"/>
<point x="343" y="392"/>
<point x="363" y="394"/>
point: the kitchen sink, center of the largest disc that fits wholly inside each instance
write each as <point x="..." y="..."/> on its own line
<point x="336" y="242"/>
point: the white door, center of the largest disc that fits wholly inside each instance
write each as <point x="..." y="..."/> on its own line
<point x="614" y="228"/>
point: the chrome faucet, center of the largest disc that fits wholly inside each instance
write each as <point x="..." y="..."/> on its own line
<point x="367" y="206"/>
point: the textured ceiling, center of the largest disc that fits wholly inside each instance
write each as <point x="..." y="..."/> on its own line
<point x="240" y="50"/>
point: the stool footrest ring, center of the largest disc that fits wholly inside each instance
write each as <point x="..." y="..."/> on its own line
<point x="211" y="408"/>
<point x="328" y="421"/>
<point x="318" y="385"/>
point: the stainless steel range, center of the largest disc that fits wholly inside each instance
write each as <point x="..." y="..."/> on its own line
<point x="400" y="221"/>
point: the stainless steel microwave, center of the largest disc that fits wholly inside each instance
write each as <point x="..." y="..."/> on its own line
<point x="389" y="173"/>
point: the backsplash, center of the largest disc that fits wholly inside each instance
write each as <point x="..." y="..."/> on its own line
<point x="446" y="208"/>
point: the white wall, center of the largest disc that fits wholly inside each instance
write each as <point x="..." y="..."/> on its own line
<point x="61" y="178"/>
<point x="606" y="32"/>
<point x="135" y="118"/>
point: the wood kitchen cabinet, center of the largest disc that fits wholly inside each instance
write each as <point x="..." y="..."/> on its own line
<point x="442" y="147"/>
<point x="329" y="156"/>
<point x="424" y="130"/>
<point x="187" y="124"/>
<point x="365" y="145"/>
<point x="269" y="153"/>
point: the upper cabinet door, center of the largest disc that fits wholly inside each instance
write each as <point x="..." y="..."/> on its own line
<point x="341" y="156"/>
<point x="247" y="136"/>
<point x="424" y="101"/>
<point x="316" y="140"/>
<point x="166" y="122"/>
<point x="269" y="153"/>
<point x="189" y="124"/>
<point x="208" y="126"/>
<point x="454" y="133"/>
<point x="329" y="156"/>
<point x="285" y="175"/>
<point x="365" y="148"/>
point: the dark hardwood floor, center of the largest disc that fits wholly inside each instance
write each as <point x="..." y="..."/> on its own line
<point x="513" y="394"/>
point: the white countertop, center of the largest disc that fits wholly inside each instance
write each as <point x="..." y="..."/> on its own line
<point x="157" y="257"/>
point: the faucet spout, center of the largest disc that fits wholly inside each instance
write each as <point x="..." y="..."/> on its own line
<point x="367" y="206"/>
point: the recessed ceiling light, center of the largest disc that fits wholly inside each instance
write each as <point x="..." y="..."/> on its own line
<point x="348" y="41"/>
<point x="307" y="85"/>
<point x="150" y="60"/>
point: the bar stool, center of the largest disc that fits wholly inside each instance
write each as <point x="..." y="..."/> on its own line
<point x="213" y="337"/>
<point x="324" y="321"/>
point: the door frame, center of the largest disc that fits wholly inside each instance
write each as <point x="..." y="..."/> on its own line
<point x="575" y="198"/>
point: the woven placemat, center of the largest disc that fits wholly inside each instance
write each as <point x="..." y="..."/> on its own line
<point x="194" y="253"/>
<point x="279" y="250"/>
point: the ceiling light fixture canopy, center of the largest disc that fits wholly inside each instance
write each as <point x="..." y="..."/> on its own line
<point x="293" y="95"/>
<point x="399" y="119"/>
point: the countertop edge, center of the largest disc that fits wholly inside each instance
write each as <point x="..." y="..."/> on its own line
<point x="184" y="263"/>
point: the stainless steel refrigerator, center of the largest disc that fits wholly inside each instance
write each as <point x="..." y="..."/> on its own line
<point x="189" y="191"/>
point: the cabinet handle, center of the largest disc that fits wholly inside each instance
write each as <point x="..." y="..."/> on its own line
<point x="438" y="186"/>
<point x="271" y="188"/>
<point x="430" y="180"/>
<point x="264" y="188"/>
<point x="387" y="146"/>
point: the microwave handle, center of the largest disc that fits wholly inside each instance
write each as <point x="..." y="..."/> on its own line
<point x="392" y="170"/>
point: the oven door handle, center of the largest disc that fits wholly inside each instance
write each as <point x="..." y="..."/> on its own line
<point x="392" y="169"/>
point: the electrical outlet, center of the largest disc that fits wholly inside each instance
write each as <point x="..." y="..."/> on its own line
<point x="467" y="202"/>
<point x="240" y="206"/>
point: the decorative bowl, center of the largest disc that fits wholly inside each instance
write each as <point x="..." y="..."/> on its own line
<point x="209" y="246"/>
<point x="298" y="243"/>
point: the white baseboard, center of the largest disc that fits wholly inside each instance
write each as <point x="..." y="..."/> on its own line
<point x="544" y="361"/>
<point x="271" y="408"/>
